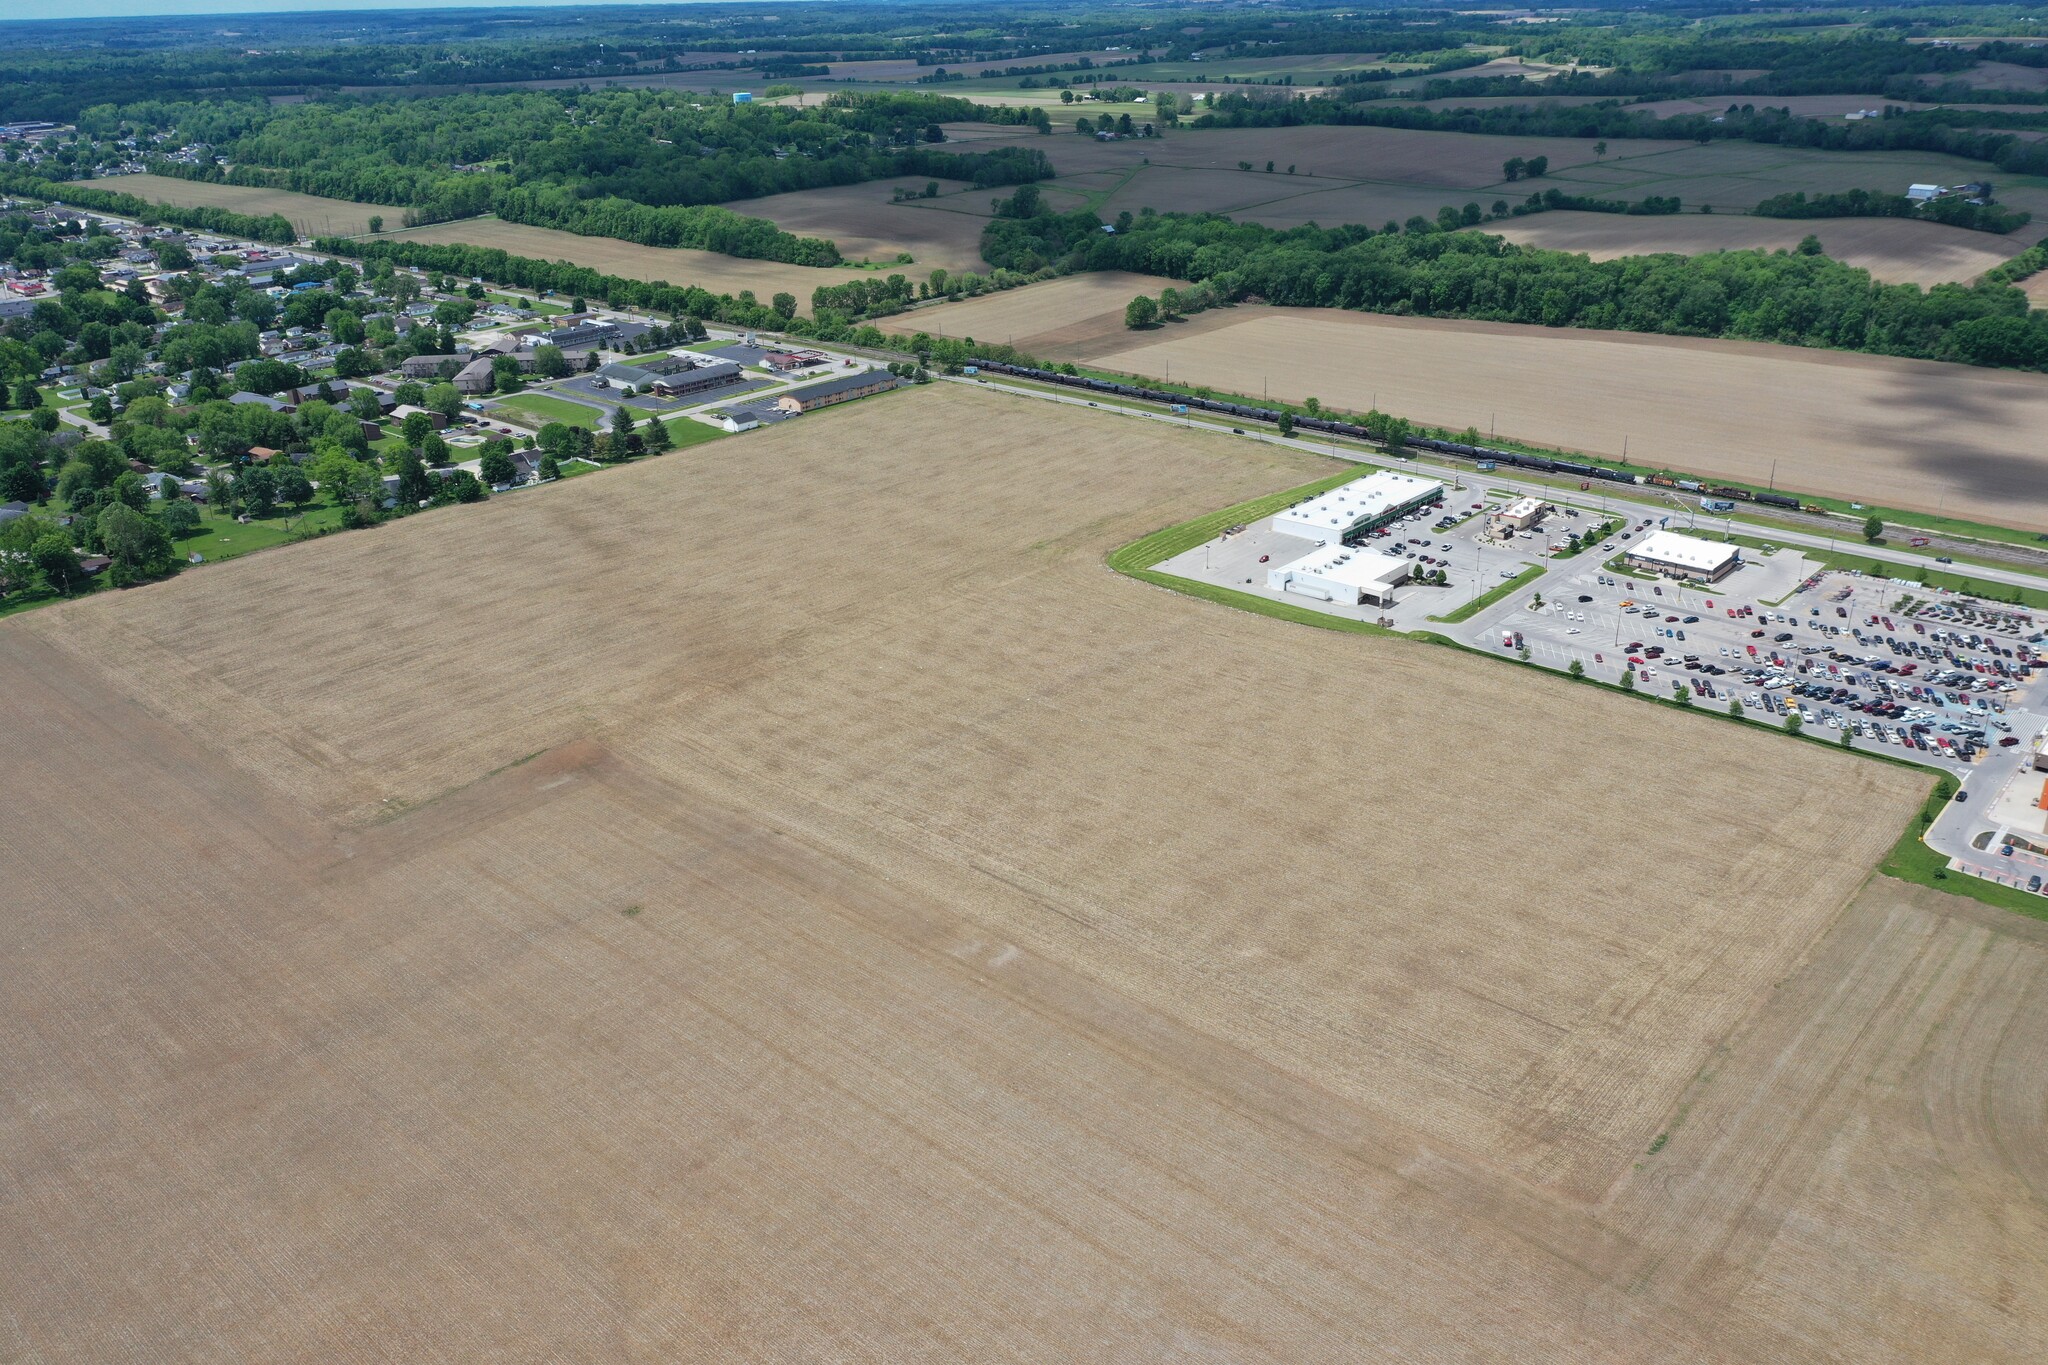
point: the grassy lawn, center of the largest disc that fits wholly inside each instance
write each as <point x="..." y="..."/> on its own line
<point x="1488" y="598"/>
<point x="685" y="433"/>
<point x="549" y="409"/>
<point x="1912" y="861"/>
<point x="569" y="469"/>
<point x="531" y="305"/>
<point x="30" y="599"/>
<point x="222" y="537"/>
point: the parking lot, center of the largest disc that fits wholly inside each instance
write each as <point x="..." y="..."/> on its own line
<point x="1894" y="664"/>
<point x="1471" y="563"/>
<point x="1948" y="680"/>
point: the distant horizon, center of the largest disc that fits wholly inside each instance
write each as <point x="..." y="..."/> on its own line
<point x="46" y="11"/>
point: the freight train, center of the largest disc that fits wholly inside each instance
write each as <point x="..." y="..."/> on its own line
<point x="1328" y="426"/>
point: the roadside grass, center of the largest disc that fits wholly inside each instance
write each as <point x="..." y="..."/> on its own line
<point x="541" y="306"/>
<point x="1492" y="595"/>
<point x="1926" y="576"/>
<point x="1911" y="860"/>
<point x="548" y="409"/>
<point x="1169" y="541"/>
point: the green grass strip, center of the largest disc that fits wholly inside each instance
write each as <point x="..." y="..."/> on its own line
<point x="1911" y="860"/>
<point x="1492" y="595"/>
<point x="1164" y="544"/>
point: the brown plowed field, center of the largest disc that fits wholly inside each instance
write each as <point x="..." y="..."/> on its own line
<point x="596" y="926"/>
<point x="1071" y="312"/>
<point x="868" y="225"/>
<point x="311" y="214"/>
<point x="1897" y="433"/>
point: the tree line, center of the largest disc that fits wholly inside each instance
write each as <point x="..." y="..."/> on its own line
<point x="1796" y="298"/>
<point x="1953" y="210"/>
<point x="274" y="228"/>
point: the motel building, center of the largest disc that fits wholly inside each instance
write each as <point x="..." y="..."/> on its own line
<point x="1676" y="556"/>
<point x="1366" y="504"/>
<point x="1346" y="575"/>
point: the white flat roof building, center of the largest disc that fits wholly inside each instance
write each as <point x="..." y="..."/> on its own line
<point x="1359" y="505"/>
<point x="1686" y="556"/>
<point x="1341" y="574"/>
<point x="1518" y="515"/>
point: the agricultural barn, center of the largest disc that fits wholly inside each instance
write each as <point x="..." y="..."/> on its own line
<point x="843" y="389"/>
<point x="1518" y="515"/>
<point x="1343" y="574"/>
<point x="1364" y="505"/>
<point x="1677" y="556"/>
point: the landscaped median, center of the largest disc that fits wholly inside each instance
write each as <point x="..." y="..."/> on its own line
<point x="1492" y="595"/>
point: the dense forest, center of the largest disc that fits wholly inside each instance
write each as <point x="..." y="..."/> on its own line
<point x="645" y="166"/>
<point x="449" y="157"/>
<point x="1800" y="298"/>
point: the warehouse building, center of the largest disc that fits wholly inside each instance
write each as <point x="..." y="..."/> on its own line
<point x="1345" y="575"/>
<point x="1677" y="556"/>
<point x="1519" y="515"/>
<point x="1363" y="505"/>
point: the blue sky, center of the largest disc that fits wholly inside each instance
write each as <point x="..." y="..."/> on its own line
<point x="106" y="9"/>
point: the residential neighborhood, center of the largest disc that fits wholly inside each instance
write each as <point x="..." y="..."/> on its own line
<point x="225" y="395"/>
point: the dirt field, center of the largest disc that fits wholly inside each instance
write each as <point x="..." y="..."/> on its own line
<point x="867" y="226"/>
<point x="1896" y="250"/>
<point x="1074" y="311"/>
<point x="609" y="953"/>
<point x="1899" y="433"/>
<point x="676" y="265"/>
<point x="310" y="214"/>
